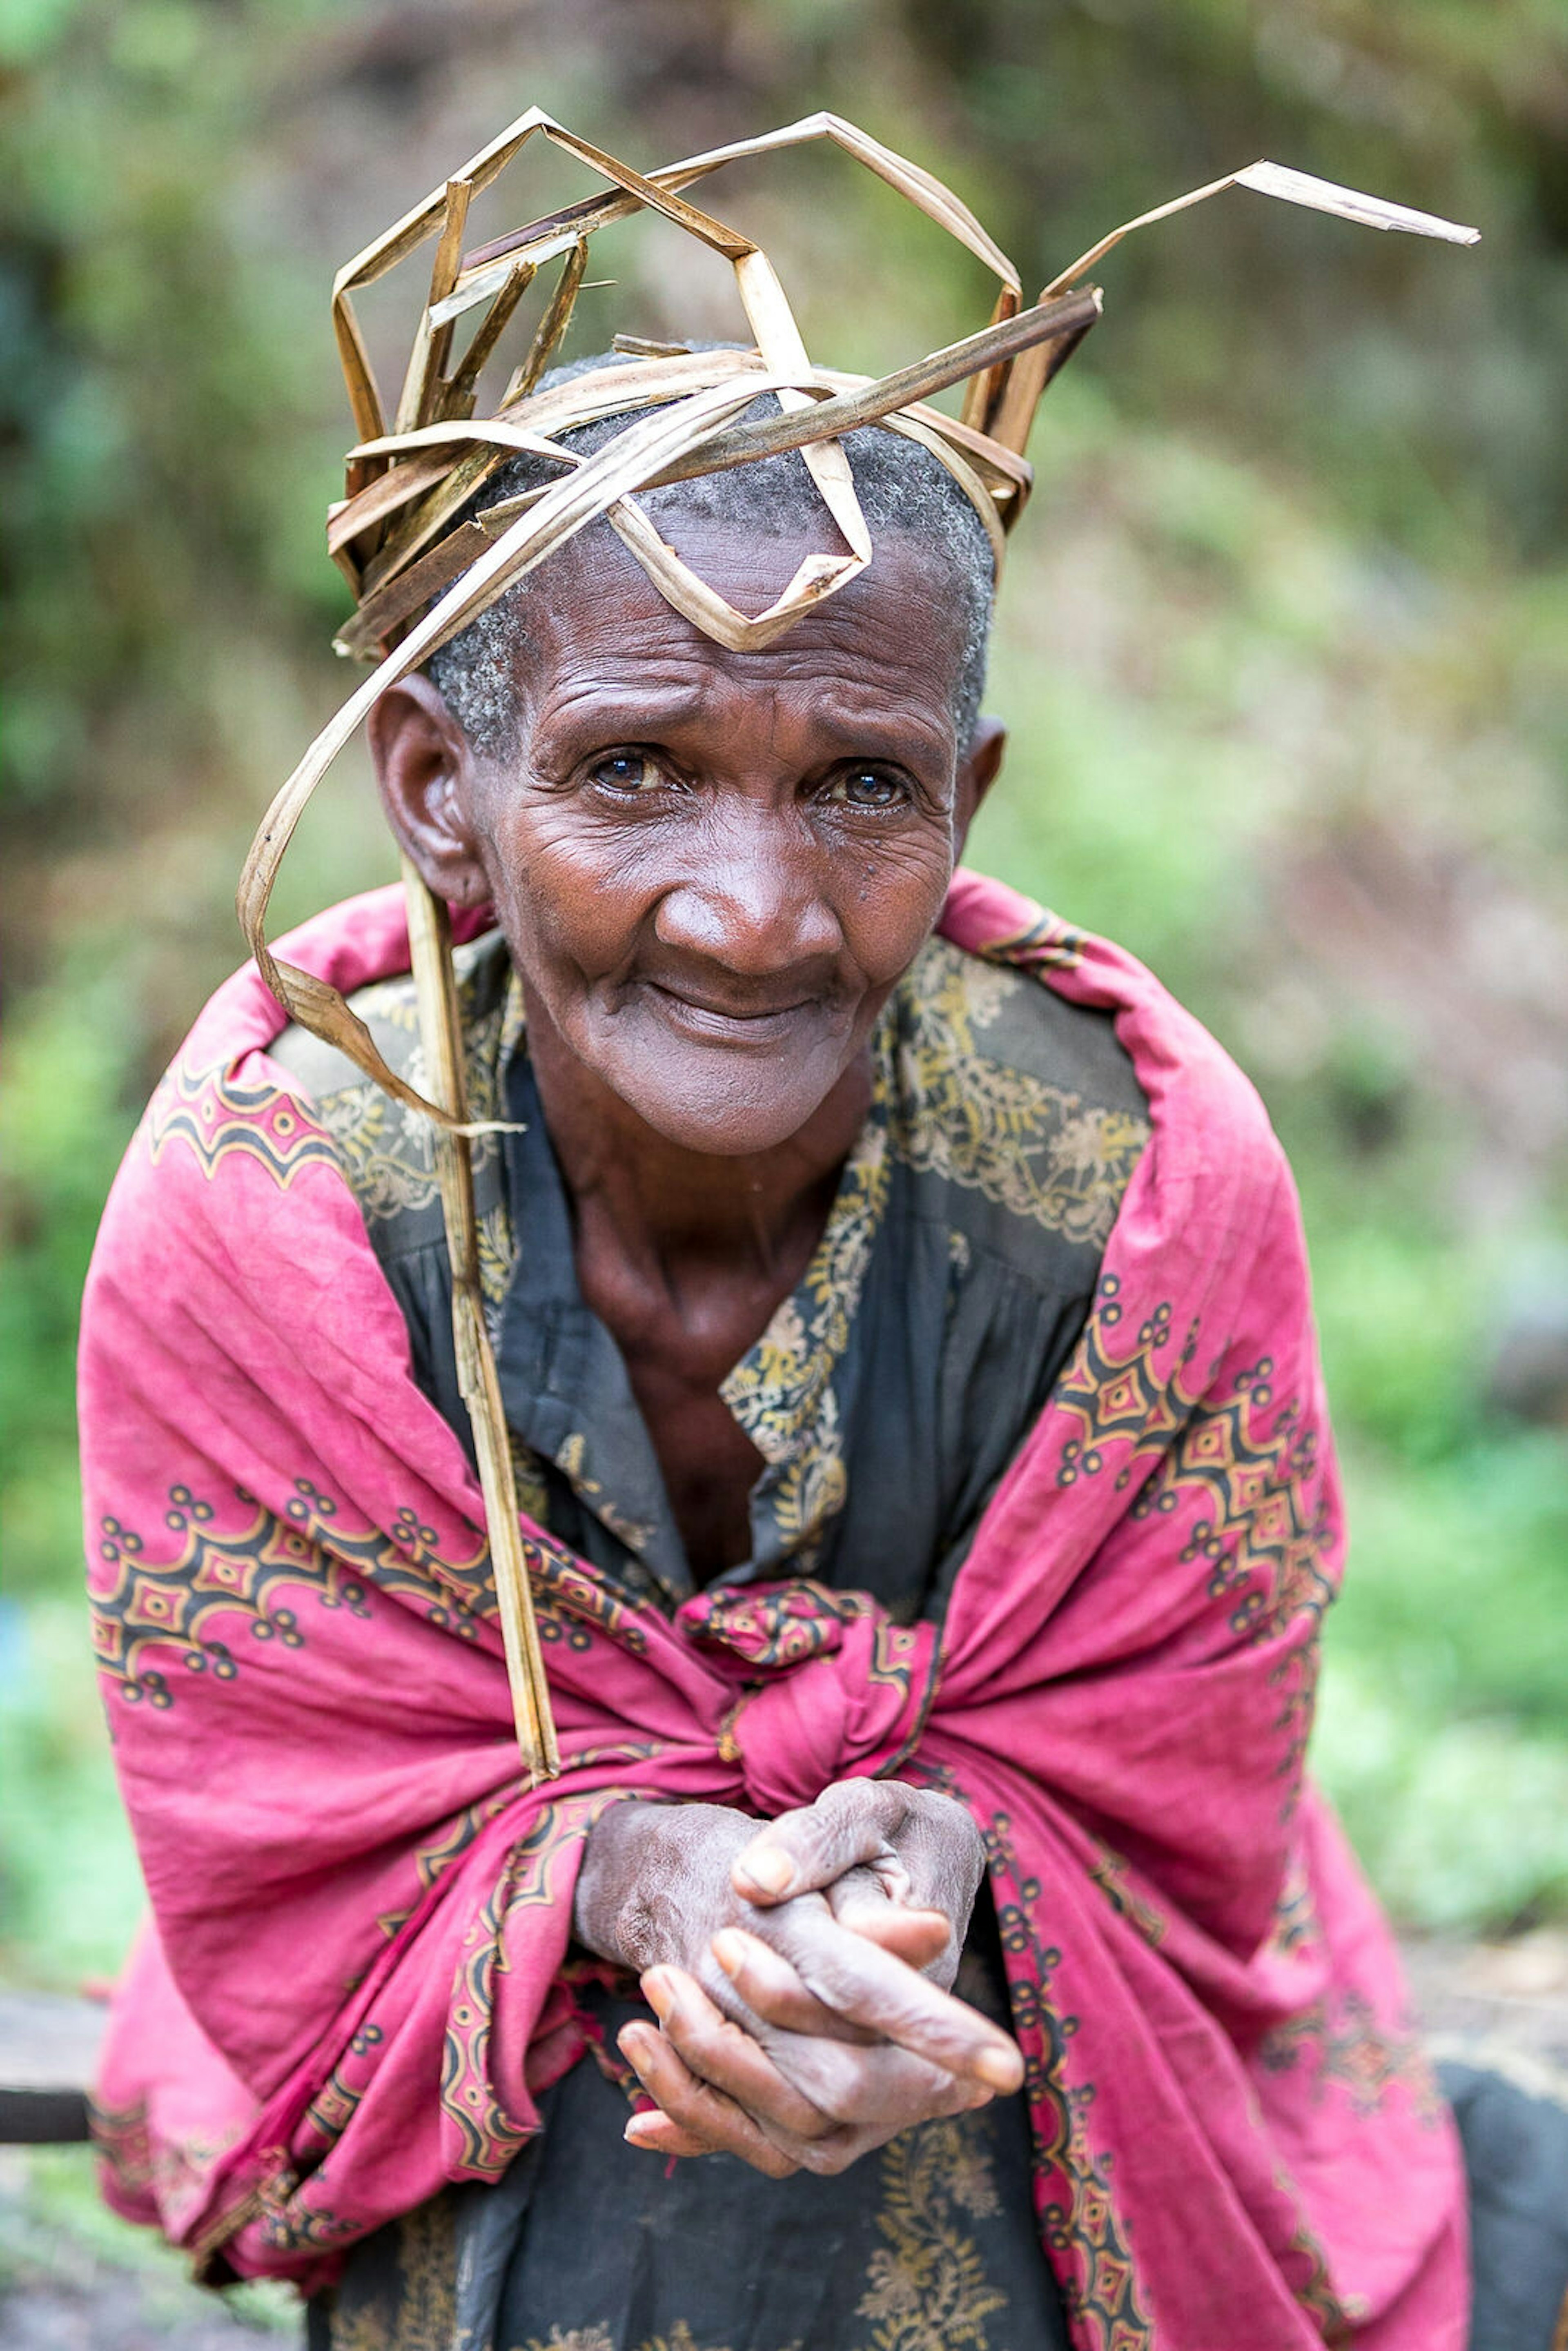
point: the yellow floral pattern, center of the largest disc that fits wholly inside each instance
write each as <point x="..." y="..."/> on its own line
<point x="782" y="1392"/>
<point x="928" y="2289"/>
<point x="388" y="1151"/>
<point x="1034" y="1148"/>
<point x="571" y="1461"/>
<point x="600" y="2338"/>
<point x="925" y="2287"/>
<point x="419" y="2312"/>
<point x="941" y="1103"/>
<point x="943" y="1106"/>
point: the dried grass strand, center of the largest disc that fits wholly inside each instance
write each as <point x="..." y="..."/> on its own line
<point x="420" y="576"/>
<point x="441" y="1035"/>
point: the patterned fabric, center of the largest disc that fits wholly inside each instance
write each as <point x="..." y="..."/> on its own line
<point x="327" y="2025"/>
<point x="953" y="1279"/>
<point x="928" y="2245"/>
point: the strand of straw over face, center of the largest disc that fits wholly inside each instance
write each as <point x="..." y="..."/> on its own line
<point x="613" y="473"/>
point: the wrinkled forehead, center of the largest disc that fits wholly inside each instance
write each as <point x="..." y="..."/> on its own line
<point x="590" y="611"/>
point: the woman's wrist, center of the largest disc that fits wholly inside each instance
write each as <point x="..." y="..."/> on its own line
<point x="655" y="1881"/>
<point x="598" y="1920"/>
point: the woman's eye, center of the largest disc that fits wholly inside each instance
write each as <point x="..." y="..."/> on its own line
<point x="627" y="772"/>
<point x="867" y="787"/>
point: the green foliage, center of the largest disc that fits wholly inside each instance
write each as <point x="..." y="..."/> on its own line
<point x="58" y="2227"/>
<point x="69" y="1887"/>
<point x="63" y="1124"/>
<point x="1403" y="384"/>
<point x="156" y="385"/>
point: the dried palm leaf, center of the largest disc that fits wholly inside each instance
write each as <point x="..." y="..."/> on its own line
<point x="424" y="561"/>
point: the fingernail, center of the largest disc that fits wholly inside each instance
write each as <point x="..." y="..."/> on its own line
<point x="657" y="1992"/>
<point x="637" y="2130"/>
<point x="729" y="1950"/>
<point x="770" y="1871"/>
<point x="1001" y="2068"/>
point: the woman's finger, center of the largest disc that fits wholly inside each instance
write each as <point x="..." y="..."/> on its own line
<point x="703" y="2114"/>
<point x="772" y="1991"/>
<point x="802" y="2088"/>
<point x="649" y="2128"/>
<point x="918" y="1937"/>
<point x="851" y="1975"/>
<point x="727" y="2059"/>
<point x="875" y="2088"/>
<point x="830" y="2153"/>
<point x="852" y="1825"/>
<point x="942" y="1851"/>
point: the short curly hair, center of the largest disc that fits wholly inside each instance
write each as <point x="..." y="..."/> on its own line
<point x="901" y="488"/>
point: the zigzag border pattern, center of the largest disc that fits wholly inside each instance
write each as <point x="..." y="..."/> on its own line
<point x="217" y="1118"/>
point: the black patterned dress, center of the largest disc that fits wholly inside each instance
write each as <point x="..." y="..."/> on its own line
<point x="885" y="1398"/>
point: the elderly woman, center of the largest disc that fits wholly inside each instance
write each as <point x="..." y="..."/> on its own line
<point x="900" y="1324"/>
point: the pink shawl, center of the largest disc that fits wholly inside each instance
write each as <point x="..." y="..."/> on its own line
<point x="351" y="1991"/>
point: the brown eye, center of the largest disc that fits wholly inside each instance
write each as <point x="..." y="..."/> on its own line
<point x="627" y="772"/>
<point x="867" y="787"/>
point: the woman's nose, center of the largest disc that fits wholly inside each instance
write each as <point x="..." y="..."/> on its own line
<point x="754" y="897"/>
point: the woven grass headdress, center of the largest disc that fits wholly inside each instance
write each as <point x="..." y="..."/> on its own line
<point x="424" y="561"/>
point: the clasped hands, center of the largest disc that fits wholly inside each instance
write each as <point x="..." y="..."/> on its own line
<point x="799" y="1971"/>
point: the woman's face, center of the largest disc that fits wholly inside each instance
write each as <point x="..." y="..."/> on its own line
<point x="711" y="867"/>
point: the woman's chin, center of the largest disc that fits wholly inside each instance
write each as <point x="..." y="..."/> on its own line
<point x="725" y="1105"/>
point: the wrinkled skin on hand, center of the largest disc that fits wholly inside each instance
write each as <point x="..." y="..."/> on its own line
<point x="799" y="1970"/>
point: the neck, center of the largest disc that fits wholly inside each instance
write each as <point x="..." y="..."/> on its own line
<point x="675" y="1206"/>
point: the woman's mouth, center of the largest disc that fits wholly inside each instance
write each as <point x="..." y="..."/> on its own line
<point x="730" y="1023"/>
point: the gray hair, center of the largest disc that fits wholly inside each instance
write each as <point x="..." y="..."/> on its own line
<point x="901" y="488"/>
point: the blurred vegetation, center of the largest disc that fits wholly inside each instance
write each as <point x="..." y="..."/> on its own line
<point x="68" y="2265"/>
<point x="1284" y="649"/>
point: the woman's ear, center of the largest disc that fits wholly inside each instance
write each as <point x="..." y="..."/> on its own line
<point x="977" y="771"/>
<point x="424" y="772"/>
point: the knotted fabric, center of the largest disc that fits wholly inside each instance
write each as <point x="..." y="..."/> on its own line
<point x="349" y="1992"/>
<point x="828" y="1686"/>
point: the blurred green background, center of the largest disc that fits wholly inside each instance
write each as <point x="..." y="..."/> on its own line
<point x="1284" y="647"/>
